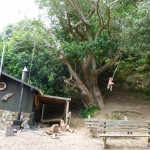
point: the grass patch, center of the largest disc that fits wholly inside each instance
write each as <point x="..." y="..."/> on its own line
<point x="90" y="111"/>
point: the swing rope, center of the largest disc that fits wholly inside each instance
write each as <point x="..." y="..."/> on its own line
<point x="116" y="68"/>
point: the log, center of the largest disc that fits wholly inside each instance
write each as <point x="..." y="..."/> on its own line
<point x="7" y="96"/>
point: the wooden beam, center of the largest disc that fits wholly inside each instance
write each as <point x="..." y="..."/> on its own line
<point x="66" y="112"/>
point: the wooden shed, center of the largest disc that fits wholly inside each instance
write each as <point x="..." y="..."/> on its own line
<point x="35" y="105"/>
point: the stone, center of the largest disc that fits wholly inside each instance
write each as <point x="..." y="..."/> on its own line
<point x="26" y="119"/>
<point x="26" y="115"/>
<point x="9" y="131"/>
<point x="25" y="125"/>
<point x="21" y="117"/>
<point x="1" y="112"/>
<point x="7" y="117"/>
<point x="13" y="113"/>
<point x="7" y="114"/>
<point x="3" y="120"/>
<point x="10" y="118"/>
<point x="8" y="124"/>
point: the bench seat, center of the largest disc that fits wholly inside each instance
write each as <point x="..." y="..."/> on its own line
<point x="119" y="128"/>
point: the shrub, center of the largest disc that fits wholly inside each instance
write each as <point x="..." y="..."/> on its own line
<point x="92" y="111"/>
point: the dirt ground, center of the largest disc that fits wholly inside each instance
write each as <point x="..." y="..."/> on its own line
<point x="118" y="105"/>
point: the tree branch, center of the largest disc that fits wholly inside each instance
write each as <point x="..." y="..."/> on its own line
<point x="88" y="61"/>
<point x="114" y="3"/>
<point x="99" y="32"/>
<point x="70" y="29"/>
<point x="100" y="19"/>
<point x="77" y="81"/>
<point x="108" y="65"/>
<point x="107" y="16"/>
<point x="104" y="25"/>
<point x="70" y="82"/>
<point x="78" y="11"/>
<point x="80" y="22"/>
<point x="98" y="11"/>
<point x="80" y="33"/>
<point x="93" y="65"/>
<point x="48" y="44"/>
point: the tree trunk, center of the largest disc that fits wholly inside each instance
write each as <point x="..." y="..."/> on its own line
<point x="88" y="87"/>
<point x="92" y="86"/>
<point x="92" y="95"/>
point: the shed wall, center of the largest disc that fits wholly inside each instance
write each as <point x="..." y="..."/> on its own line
<point x="13" y="102"/>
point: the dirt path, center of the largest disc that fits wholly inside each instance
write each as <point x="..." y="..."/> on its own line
<point x="80" y="140"/>
<point x="28" y="140"/>
<point x="123" y="104"/>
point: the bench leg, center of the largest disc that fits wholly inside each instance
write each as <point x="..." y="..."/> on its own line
<point x="148" y="144"/>
<point x="104" y="140"/>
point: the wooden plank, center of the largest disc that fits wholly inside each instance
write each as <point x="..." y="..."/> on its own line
<point x="118" y="125"/>
<point x="123" y="135"/>
<point x="66" y="111"/>
<point x="117" y="121"/>
<point x="125" y="129"/>
<point x="123" y="132"/>
<point x="51" y="120"/>
<point x="90" y="119"/>
<point x="100" y="134"/>
<point x="126" y="123"/>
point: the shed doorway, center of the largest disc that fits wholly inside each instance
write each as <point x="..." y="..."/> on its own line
<point x="51" y="109"/>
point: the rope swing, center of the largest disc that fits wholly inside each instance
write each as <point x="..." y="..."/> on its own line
<point x="110" y="82"/>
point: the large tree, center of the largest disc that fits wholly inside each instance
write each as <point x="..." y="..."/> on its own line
<point x="89" y="48"/>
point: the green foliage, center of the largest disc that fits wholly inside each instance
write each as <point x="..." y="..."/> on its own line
<point x="102" y="48"/>
<point x="90" y="111"/>
<point x="71" y="92"/>
<point x="24" y="40"/>
<point x="147" y="91"/>
<point x="135" y="39"/>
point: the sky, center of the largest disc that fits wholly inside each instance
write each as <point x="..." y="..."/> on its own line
<point x="12" y="11"/>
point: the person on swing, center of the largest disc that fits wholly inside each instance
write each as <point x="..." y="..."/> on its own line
<point x="110" y="83"/>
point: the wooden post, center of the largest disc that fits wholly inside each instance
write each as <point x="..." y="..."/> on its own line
<point x="148" y="144"/>
<point x="104" y="140"/>
<point x="66" y="112"/>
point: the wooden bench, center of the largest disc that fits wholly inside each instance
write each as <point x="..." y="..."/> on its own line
<point x="119" y="128"/>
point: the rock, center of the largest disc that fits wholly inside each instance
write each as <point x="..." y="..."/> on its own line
<point x="26" y="119"/>
<point x="26" y="115"/>
<point x="9" y="131"/>
<point x="1" y="112"/>
<point x="25" y="124"/>
<point x="10" y="118"/>
<point x="8" y="124"/>
<point x="21" y="117"/>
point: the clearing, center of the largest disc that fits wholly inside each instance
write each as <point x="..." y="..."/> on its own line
<point x="118" y="105"/>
